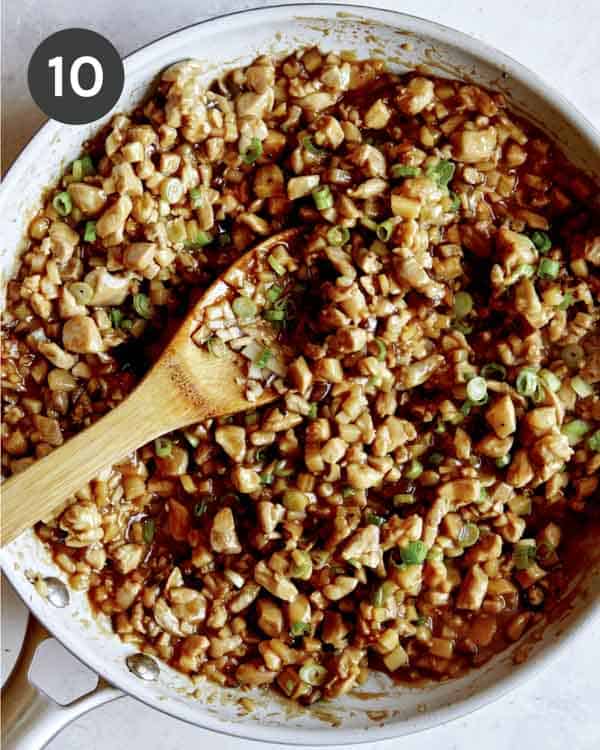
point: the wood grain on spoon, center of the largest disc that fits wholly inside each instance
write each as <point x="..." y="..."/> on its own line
<point x="185" y="385"/>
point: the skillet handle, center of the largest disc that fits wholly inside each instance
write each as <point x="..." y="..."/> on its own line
<point x="31" y="719"/>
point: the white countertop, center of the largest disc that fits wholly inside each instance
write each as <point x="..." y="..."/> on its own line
<point x="557" y="39"/>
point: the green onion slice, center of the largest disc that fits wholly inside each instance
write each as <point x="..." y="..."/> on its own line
<point x="542" y="241"/>
<point x="374" y="519"/>
<point x="384" y="230"/>
<point x="300" y="628"/>
<point x="414" y="553"/>
<point x="322" y="197"/>
<point x="414" y="469"/>
<point x="381" y="349"/>
<point x="263" y="358"/>
<point x="196" y="197"/>
<point x="442" y="172"/>
<point x="402" y="170"/>
<point x="62" y="203"/>
<point x="142" y="306"/>
<point x="338" y="236"/>
<point x="200" y="240"/>
<point x="463" y="304"/>
<point x="593" y="442"/>
<point x="477" y="390"/>
<point x="311" y="147"/>
<point x="89" y="233"/>
<point x="548" y="268"/>
<point x="524" y="553"/>
<point x="575" y="430"/>
<point x="148" y="530"/>
<point x="312" y="673"/>
<point x="163" y="447"/>
<point x="253" y="152"/>
<point x="527" y="381"/>
<point x="274" y="316"/>
<point x="243" y="308"/>
<point x="276" y="265"/>
<point x="567" y="301"/>
<point x="274" y="292"/>
<point x="550" y="380"/>
<point x="572" y="355"/>
<point x="404" y="498"/>
<point x="581" y="387"/>
<point x="503" y="461"/>
<point x="494" y="371"/>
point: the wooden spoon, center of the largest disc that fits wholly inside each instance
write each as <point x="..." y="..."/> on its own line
<point x="185" y="385"/>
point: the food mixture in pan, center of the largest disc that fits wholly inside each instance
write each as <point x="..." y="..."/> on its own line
<point x="432" y="334"/>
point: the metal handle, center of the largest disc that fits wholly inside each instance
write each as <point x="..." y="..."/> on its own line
<point x="29" y="718"/>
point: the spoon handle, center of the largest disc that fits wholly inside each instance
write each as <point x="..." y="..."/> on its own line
<point x="41" y="490"/>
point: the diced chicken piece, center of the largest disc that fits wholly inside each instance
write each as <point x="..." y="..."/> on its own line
<point x="472" y="146"/>
<point x="520" y="472"/>
<point x="419" y="372"/>
<point x="89" y="200"/>
<point x="298" y="187"/>
<point x="501" y="416"/>
<point x="113" y="219"/>
<point x="223" y="536"/>
<point x="473" y="589"/>
<point x="378" y="115"/>
<point x="275" y="583"/>
<point x="139" y="255"/>
<point x="418" y="95"/>
<point x="56" y="355"/>
<point x="268" y="181"/>
<point x="109" y="289"/>
<point x="81" y="335"/>
<point x="541" y="421"/>
<point x="255" y="105"/>
<point x="363" y="546"/>
<point x="127" y="557"/>
<point x="515" y="249"/>
<point x="63" y="241"/>
<point x="245" y="480"/>
<point x="300" y="375"/>
<point x="459" y="492"/>
<point x="175" y="464"/>
<point x="232" y="439"/>
<point x="362" y="476"/>
<point x="408" y="271"/>
<point x="371" y="159"/>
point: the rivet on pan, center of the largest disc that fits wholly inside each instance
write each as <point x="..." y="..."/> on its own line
<point x="143" y="666"/>
<point x="56" y="592"/>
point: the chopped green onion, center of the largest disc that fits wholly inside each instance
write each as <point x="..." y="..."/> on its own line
<point x="567" y="301"/>
<point x="163" y="447"/>
<point x="503" y="461"/>
<point x="526" y="382"/>
<point x="274" y="316"/>
<point x="581" y="387"/>
<point x="435" y="458"/>
<point x="274" y="292"/>
<point x="542" y="241"/>
<point x="116" y="317"/>
<point x="266" y="478"/>
<point x="312" y="411"/>
<point x="312" y="673"/>
<point x="384" y="230"/>
<point x="524" y="554"/>
<point x="483" y="495"/>
<point x="414" y="553"/>
<point x="322" y="197"/>
<point x="463" y="328"/>
<point x="468" y="534"/>
<point x="62" y="203"/>
<point x="368" y="223"/>
<point x="200" y="508"/>
<point x="127" y="324"/>
<point x="548" y="268"/>
<point x="253" y="152"/>
<point x="381" y="349"/>
<point x="572" y="354"/>
<point x="224" y="239"/>
<point x="82" y="292"/>
<point x="87" y="165"/>
<point x="300" y="628"/>
<point x="414" y="469"/>
<point x="523" y="271"/>
<point x="477" y="390"/>
<point x="216" y="347"/>
<point x="263" y="358"/>
<point x="348" y="492"/>
<point x="404" y="498"/>
<point x="539" y="394"/>
<point x="308" y="144"/>
<point x="593" y="442"/>
<point x="465" y="409"/>
<point x="142" y="306"/>
<point x="77" y="170"/>
<point x="148" y="530"/>
<point x="575" y="430"/>
<point x="251" y="418"/>
<point x="200" y="240"/>
<point x="455" y="201"/>
<point x="89" y="233"/>
<point x="374" y="519"/>
<point x="276" y="265"/>
<point x="493" y="371"/>
<point x="196" y="197"/>
<point x="338" y="236"/>
<point x="243" y="308"/>
<point x="442" y="172"/>
<point x="463" y="304"/>
<point x="282" y="469"/>
<point x="402" y="170"/>
<point x="550" y="380"/>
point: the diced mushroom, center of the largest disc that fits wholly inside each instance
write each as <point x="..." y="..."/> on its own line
<point x="109" y="290"/>
<point x="81" y="334"/>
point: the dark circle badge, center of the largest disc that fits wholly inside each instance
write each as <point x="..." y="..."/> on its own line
<point x="75" y="76"/>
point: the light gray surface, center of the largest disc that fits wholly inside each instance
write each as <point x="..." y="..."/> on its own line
<point x="556" y="39"/>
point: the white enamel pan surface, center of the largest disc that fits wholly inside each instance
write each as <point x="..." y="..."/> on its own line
<point x="222" y="43"/>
